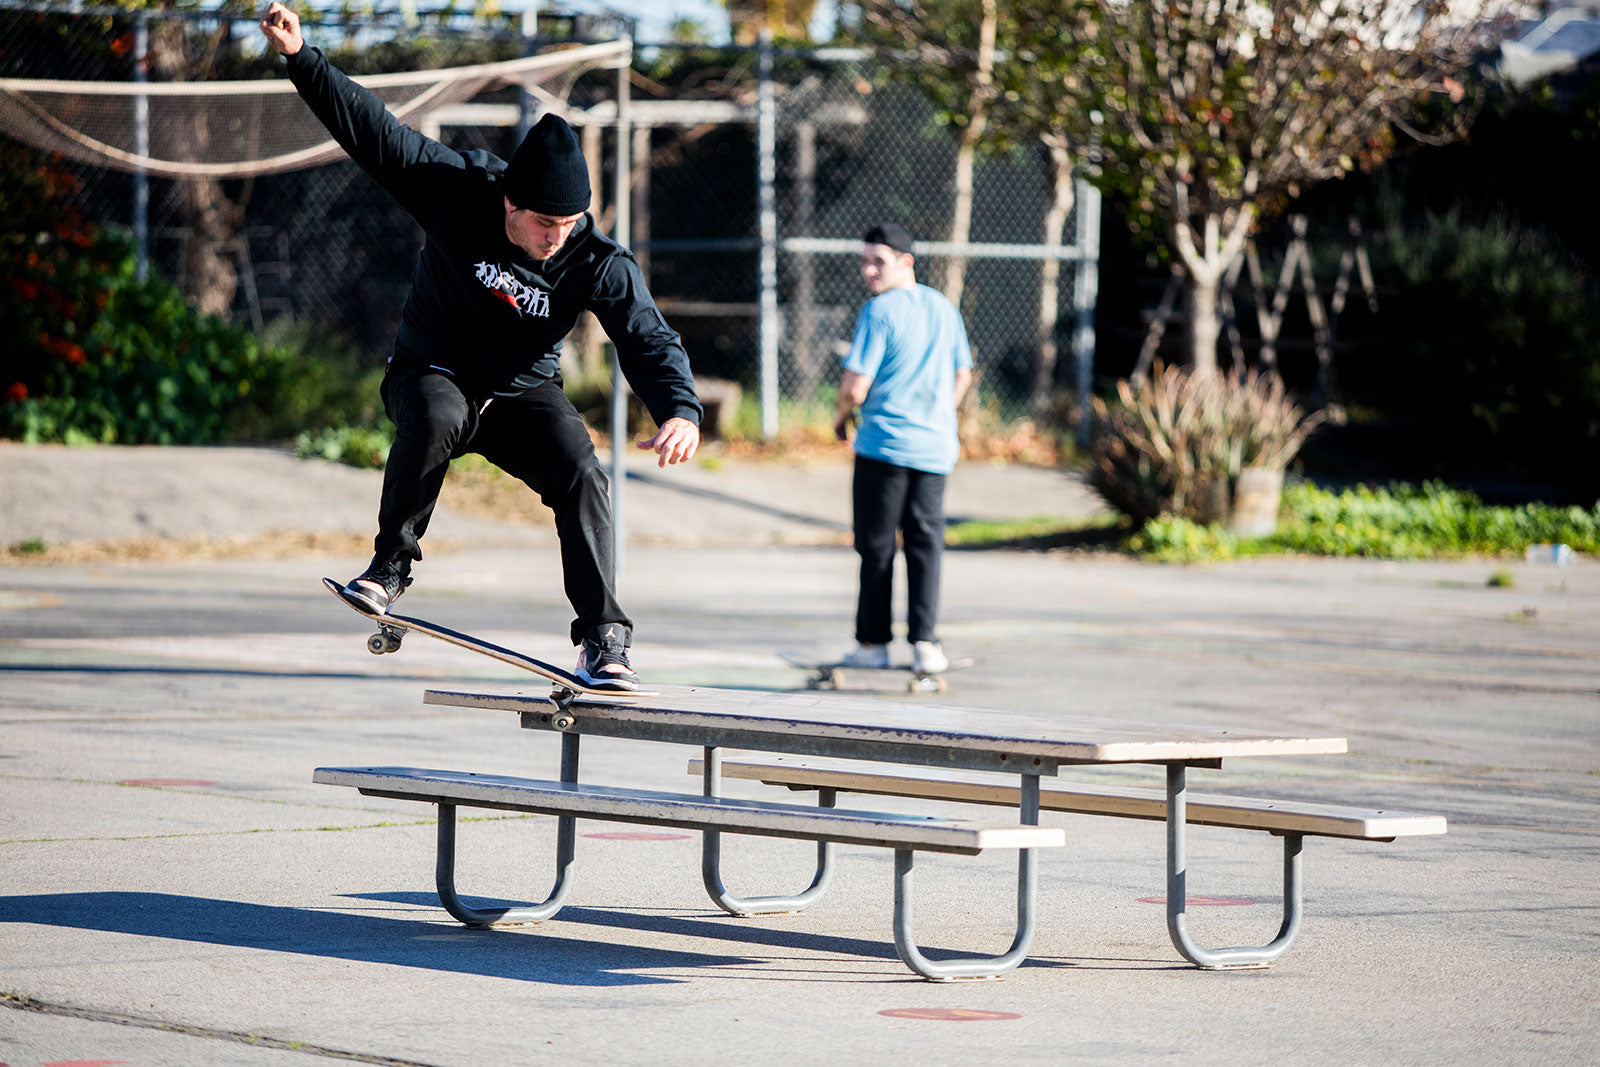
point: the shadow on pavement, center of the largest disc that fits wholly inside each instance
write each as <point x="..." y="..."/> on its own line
<point x="368" y="939"/>
<point x="739" y="501"/>
<point x="714" y="926"/>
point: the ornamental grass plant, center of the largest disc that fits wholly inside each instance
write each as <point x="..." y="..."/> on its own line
<point x="1173" y="445"/>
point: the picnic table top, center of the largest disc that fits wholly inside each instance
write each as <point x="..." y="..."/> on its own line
<point x="830" y="717"/>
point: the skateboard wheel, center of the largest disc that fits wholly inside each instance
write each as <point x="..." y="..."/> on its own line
<point x="562" y="721"/>
<point x="377" y="644"/>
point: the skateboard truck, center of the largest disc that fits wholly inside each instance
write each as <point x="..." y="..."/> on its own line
<point x="562" y="697"/>
<point x="387" y="639"/>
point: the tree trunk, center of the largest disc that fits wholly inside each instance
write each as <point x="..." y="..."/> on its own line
<point x="1203" y="324"/>
<point x="214" y="223"/>
<point x="955" y="278"/>
<point x="1206" y="257"/>
<point x="1055" y="222"/>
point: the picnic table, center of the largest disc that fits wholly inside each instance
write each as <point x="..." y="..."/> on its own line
<point x="946" y="749"/>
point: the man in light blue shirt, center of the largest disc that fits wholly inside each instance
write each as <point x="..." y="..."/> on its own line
<point x="908" y="367"/>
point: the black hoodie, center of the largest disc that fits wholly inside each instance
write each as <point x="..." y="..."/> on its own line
<point x="480" y="308"/>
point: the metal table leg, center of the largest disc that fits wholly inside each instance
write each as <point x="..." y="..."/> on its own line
<point x="1177" y="891"/>
<point x="711" y="858"/>
<point x="979" y="966"/>
<point x="566" y="842"/>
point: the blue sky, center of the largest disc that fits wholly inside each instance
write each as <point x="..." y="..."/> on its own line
<point x="655" y="16"/>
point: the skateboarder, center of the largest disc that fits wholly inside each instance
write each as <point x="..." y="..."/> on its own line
<point x="511" y="259"/>
<point x="908" y="367"/>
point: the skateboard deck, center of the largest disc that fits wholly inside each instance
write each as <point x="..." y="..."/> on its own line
<point x="391" y="628"/>
<point x="826" y="675"/>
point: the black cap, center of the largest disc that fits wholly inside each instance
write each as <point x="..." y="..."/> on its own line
<point x="548" y="173"/>
<point x="892" y="234"/>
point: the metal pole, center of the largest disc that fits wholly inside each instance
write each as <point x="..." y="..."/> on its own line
<point x="766" y="150"/>
<point x="621" y="199"/>
<point x="141" y="146"/>
<point x="525" y="104"/>
<point x="1085" y="292"/>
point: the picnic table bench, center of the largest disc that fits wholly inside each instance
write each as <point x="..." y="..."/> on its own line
<point x="1291" y="820"/>
<point x="906" y="834"/>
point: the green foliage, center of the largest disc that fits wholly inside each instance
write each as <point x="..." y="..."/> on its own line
<point x="1497" y="325"/>
<point x="1173" y="445"/>
<point x="100" y="356"/>
<point x="938" y="44"/>
<point x="366" y="447"/>
<point x="1398" y="522"/>
<point x="319" y="379"/>
<point x="95" y="354"/>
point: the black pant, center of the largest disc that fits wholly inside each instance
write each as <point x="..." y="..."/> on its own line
<point x="537" y="437"/>
<point x="888" y="498"/>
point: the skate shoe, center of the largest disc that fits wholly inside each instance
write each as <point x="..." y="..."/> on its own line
<point x="603" y="661"/>
<point x="927" y="657"/>
<point x="380" y="586"/>
<point x="867" y="657"/>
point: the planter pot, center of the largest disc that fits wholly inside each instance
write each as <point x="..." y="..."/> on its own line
<point x="1255" y="501"/>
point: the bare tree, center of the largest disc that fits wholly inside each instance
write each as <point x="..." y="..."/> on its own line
<point x="953" y="48"/>
<point x="214" y="220"/>
<point x="1206" y="114"/>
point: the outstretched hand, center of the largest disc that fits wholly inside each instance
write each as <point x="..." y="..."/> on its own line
<point x="675" y="442"/>
<point x="282" y="29"/>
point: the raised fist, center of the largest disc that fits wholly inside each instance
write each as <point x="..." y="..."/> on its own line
<point x="282" y="29"/>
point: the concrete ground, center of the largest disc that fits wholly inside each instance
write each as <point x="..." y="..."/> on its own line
<point x="174" y="890"/>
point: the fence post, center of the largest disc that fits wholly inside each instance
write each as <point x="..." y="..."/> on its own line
<point x="1085" y="291"/>
<point x="766" y="150"/>
<point x="621" y="201"/>
<point x="525" y="103"/>
<point x="141" y="145"/>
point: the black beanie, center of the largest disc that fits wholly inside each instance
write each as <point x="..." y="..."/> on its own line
<point x="892" y="234"/>
<point x="548" y="173"/>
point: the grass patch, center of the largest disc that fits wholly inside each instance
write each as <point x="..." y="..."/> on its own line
<point x="286" y="544"/>
<point x="365" y="447"/>
<point x="1041" y="532"/>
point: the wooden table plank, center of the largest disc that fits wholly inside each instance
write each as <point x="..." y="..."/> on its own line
<point x="1066" y="737"/>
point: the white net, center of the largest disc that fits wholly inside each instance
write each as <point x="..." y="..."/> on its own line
<point x="244" y="128"/>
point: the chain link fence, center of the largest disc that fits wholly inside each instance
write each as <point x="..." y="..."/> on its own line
<point x="323" y="248"/>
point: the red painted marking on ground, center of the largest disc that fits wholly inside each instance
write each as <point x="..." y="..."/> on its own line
<point x="960" y="1015"/>
<point x="159" y="782"/>
<point x="637" y="835"/>
<point x="1202" y="902"/>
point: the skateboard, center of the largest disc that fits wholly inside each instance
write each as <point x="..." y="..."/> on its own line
<point x="392" y="628"/>
<point x="831" y="675"/>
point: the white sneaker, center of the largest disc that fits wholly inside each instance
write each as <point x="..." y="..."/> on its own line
<point x="867" y="657"/>
<point x="927" y="657"/>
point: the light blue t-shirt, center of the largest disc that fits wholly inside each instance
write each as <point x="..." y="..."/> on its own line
<point x="910" y="342"/>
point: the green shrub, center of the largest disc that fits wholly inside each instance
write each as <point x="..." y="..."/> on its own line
<point x="1397" y="522"/>
<point x="100" y="356"/>
<point x="318" y="379"/>
<point x="357" y="446"/>
<point x="1492" y="324"/>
